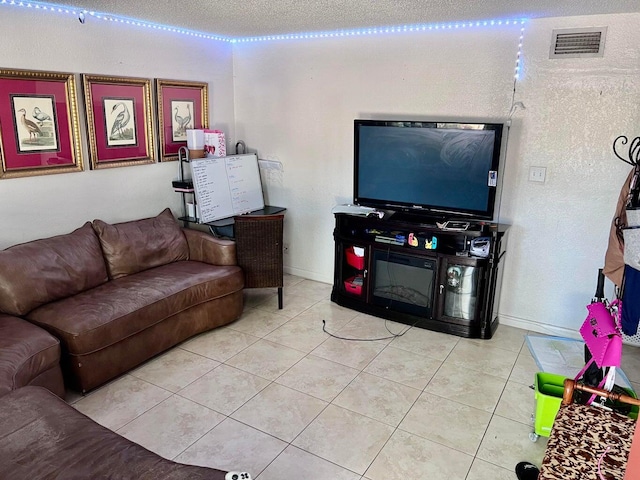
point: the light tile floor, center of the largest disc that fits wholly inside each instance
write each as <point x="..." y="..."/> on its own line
<point x="274" y="395"/>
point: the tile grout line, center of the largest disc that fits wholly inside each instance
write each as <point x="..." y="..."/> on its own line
<point x="397" y="427"/>
<point x="360" y="371"/>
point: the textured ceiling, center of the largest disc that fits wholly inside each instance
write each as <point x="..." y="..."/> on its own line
<point x="241" y="18"/>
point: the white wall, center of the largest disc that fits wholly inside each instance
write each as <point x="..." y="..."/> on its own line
<point x="36" y="207"/>
<point x="296" y="101"/>
<point x="575" y="108"/>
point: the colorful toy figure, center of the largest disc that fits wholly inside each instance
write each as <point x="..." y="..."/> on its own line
<point x="432" y="244"/>
<point x="413" y="240"/>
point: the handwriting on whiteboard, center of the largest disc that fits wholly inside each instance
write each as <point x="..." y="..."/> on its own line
<point x="226" y="186"/>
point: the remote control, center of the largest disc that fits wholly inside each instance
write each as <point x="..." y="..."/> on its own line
<point x="453" y="225"/>
<point x="237" y="476"/>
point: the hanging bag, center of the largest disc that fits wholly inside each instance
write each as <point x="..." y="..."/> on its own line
<point x="631" y="234"/>
<point x="601" y="332"/>
<point x="627" y="225"/>
<point x="631" y="228"/>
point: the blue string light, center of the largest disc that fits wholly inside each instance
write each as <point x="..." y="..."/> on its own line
<point x="49" y="7"/>
<point x="377" y="31"/>
<point x="516" y="74"/>
<point x="268" y="38"/>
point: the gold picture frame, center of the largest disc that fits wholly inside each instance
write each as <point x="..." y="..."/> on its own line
<point x="181" y="105"/>
<point x="39" y="127"/>
<point x="119" y="121"/>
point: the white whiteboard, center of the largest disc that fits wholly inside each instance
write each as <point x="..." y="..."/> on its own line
<point x="226" y="186"/>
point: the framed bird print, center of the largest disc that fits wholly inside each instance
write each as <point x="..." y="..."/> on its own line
<point x="181" y="106"/>
<point x="119" y="121"/>
<point x="39" y="131"/>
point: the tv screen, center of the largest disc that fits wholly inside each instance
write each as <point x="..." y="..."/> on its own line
<point x="443" y="169"/>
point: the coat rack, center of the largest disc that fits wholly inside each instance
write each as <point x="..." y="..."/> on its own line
<point x="633" y="159"/>
<point x="633" y="153"/>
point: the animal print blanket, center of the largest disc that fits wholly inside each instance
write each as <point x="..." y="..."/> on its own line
<point x="583" y="436"/>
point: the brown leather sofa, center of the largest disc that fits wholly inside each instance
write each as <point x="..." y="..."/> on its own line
<point x="116" y="295"/>
<point x="41" y="437"/>
<point x="28" y="356"/>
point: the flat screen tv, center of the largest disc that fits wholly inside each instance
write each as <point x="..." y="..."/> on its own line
<point x="439" y="169"/>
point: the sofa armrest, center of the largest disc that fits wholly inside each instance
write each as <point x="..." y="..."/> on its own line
<point x="208" y="249"/>
<point x="29" y="355"/>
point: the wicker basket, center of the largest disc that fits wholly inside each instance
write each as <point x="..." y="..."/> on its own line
<point x="259" y="250"/>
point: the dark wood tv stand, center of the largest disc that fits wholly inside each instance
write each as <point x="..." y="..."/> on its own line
<point x="416" y="273"/>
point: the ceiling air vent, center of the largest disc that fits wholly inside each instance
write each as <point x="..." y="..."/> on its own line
<point x="578" y="42"/>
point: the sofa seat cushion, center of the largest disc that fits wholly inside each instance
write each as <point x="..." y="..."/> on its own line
<point x="26" y="352"/>
<point x="131" y="247"/>
<point x="118" y="309"/>
<point x="41" y="437"/>
<point x="42" y="271"/>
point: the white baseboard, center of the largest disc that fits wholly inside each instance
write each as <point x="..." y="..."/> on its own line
<point x="553" y="330"/>
<point x="544" y="328"/>
<point x="307" y="275"/>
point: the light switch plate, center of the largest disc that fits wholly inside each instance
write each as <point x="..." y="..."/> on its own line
<point x="537" y="174"/>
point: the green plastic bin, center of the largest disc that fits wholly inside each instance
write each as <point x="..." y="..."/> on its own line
<point x="549" y="388"/>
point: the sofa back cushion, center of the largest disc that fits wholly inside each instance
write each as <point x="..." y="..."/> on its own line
<point x="41" y="271"/>
<point x="132" y="247"/>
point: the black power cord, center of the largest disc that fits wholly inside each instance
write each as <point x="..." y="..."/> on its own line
<point x="393" y="335"/>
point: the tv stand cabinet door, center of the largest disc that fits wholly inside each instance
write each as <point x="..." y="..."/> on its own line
<point x="460" y="291"/>
<point x="351" y="271"/>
